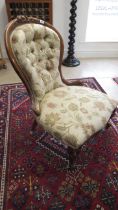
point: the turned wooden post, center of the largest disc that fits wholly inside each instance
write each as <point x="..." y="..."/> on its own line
<point x="71" y="60"/>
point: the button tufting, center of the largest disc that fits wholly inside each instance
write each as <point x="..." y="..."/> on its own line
<point x="40" y="60"/>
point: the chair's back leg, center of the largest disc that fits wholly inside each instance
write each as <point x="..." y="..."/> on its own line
<point x="34" y="125"/>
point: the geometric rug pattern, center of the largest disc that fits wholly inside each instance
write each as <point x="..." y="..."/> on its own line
<point x="34" y="171"/>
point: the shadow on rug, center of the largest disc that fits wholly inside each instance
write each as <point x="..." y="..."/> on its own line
<point x="116" y="79"/>
<point x="34" y="168"/>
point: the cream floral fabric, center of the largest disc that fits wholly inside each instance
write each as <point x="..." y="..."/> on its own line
<point x="73" y="114"/>
<point x="37" y="49"/>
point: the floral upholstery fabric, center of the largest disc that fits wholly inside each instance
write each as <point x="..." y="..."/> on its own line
<point x="73" y="114"/>
<point x="37" y="49"/>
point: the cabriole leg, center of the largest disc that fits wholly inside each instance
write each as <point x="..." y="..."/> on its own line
<point x="72" y="157"/>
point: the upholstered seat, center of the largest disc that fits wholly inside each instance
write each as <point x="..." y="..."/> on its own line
<point x="70" y="113"/>
<point x="73" y="114"/>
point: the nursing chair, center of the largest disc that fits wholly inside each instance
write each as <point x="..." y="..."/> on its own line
<point x="65" y="108"/>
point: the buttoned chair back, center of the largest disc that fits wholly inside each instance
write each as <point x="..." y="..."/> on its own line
<point x="35" y="49"/>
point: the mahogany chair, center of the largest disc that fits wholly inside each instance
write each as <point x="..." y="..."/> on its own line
<point x="64" y="108"/>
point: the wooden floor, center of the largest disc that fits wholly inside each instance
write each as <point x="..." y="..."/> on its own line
<point x="102" y="69"/>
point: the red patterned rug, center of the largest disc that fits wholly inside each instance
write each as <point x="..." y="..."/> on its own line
<point x="116" y="79"/>
<point x="33" y="168"/>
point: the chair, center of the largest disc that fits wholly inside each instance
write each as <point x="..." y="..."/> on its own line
<point x="64" y="108"/>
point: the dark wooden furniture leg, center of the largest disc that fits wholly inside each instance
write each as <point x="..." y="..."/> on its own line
<point x="72" y="157"/>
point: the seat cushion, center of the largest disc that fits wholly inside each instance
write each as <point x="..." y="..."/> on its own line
<point x="73" y="114"/>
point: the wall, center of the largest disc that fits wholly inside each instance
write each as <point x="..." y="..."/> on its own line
<point x="3" y="22"/>
<point x="61" y="12"/>
<point x="92" y="49"/>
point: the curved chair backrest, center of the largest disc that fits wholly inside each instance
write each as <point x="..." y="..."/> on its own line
<point x="35" y="49"/>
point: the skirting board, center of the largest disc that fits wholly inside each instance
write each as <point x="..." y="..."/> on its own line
<point x="94" y="54"/>
<point x="96" y="50"/>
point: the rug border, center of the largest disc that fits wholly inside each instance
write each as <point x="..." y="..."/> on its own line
<point x="5" y="156"/>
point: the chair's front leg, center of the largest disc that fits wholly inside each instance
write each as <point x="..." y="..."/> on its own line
<point x="72" y="156"/>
